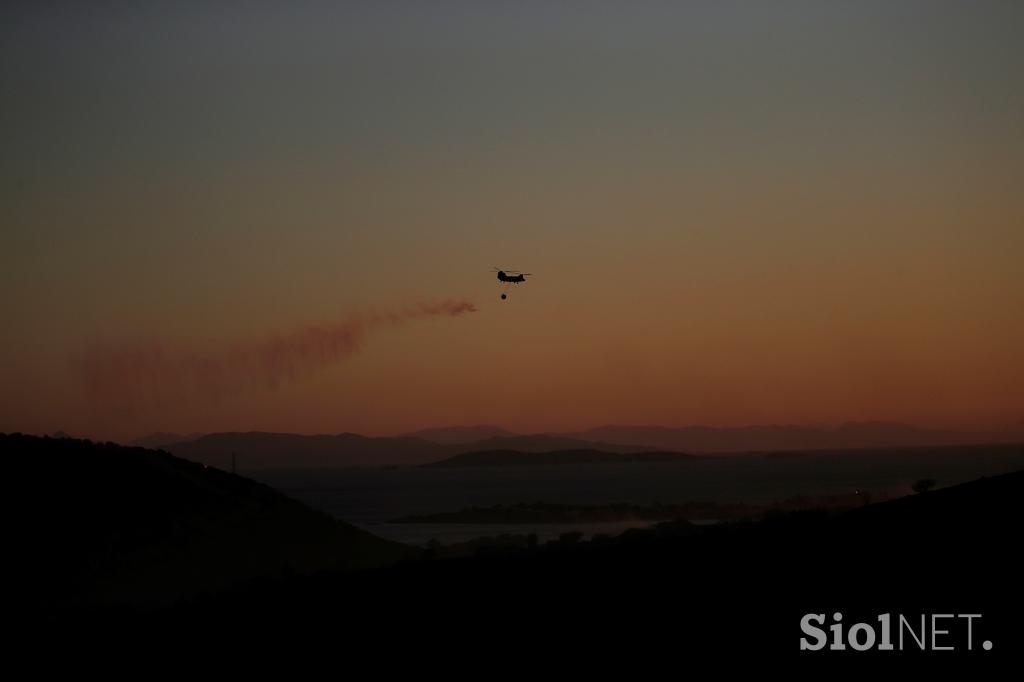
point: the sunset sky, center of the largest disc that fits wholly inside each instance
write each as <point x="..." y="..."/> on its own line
<point x="735" y="212"/>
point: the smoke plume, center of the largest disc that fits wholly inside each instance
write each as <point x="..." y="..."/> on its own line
<point x="150" y="374"/>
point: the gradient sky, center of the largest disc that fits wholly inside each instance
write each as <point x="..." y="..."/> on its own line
<point x="736" y="212"/>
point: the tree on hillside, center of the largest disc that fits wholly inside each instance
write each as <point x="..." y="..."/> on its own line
<point x="923" y="485"/>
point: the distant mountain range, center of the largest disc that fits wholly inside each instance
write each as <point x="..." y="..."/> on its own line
<point x="518" y="458"/>
<point x="259" y="450"/>
<point x="546" y="442"/>
<point x="162" y="439"/>
<point x="458" y="435"/>
<point x="776" y="437"/>
<point x="713" y="439"/>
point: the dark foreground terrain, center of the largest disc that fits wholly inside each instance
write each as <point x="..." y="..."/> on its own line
<point x="220" y="558"/>
<point x="98" y="524"/>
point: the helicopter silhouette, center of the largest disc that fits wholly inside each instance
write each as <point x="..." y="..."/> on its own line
<point x="509" y="277"/>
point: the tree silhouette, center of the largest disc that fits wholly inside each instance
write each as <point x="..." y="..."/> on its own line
<point x="570" y="538"/>
<point x="923" y="485"/>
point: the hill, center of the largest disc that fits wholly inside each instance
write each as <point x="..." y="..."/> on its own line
<point x="541" y="442"/>
<point x="259" y="450"/>
<point x="498" y="458"/>
<point x="674" y="590"/>
<point x="161" y="439"/>
<point x="103" y="522"/>
<point x="684" y="592"/>
<point x="776" y="437"/>
<point x="458" y="435"/>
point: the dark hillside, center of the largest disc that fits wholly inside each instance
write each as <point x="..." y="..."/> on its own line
<point x="110" y="523"/>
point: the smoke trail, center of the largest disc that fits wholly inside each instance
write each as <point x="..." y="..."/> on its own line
<point x="143" y="375"/>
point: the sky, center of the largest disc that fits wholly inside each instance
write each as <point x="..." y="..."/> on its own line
<point x="734" y="213"/>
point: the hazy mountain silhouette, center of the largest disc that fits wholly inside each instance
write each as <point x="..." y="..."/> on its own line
<point x="259" y="450"/>
<point x="109" y="523"/>
<point x="547" y="443"/>
<point x="162" y="439"/>
<point x="583" y="456"/>
<point x="776" y="437"/>
<point x="457" y="435"/>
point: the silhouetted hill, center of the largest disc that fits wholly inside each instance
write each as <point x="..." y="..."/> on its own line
<point x="104" y="522"/>
<point x="546" y="443"/>
<point x="775" y="437"/>
<point x="457" y="435"/>
<point x="161" y="439"/>
<point x="968" y="513"/>
<point x="678" y="593"/>
<point x="259" y="450"/>
<point x="584" y="456"/>
<point x="674" y="592"/>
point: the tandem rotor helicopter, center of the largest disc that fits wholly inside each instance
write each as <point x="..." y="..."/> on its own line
<point x="510" y="277"/>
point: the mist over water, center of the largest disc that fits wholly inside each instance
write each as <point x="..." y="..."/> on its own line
<point x="371" y="498"/>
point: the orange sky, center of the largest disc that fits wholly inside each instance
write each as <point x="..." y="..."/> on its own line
<point x="804" y="215"/>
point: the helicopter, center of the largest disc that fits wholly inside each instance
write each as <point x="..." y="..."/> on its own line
<point x="509" y="277"/>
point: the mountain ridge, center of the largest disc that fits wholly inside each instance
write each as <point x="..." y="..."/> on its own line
<point x="262" y="450"/>
<point x="266" y="450"/>
<point x="777" y="436"/>
<point x="457" y="435"/>
<point x="556" y="457"/>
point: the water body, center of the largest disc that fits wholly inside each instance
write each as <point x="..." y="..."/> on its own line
<point x="420" y="534"/>
<point x="370" y="498"/>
